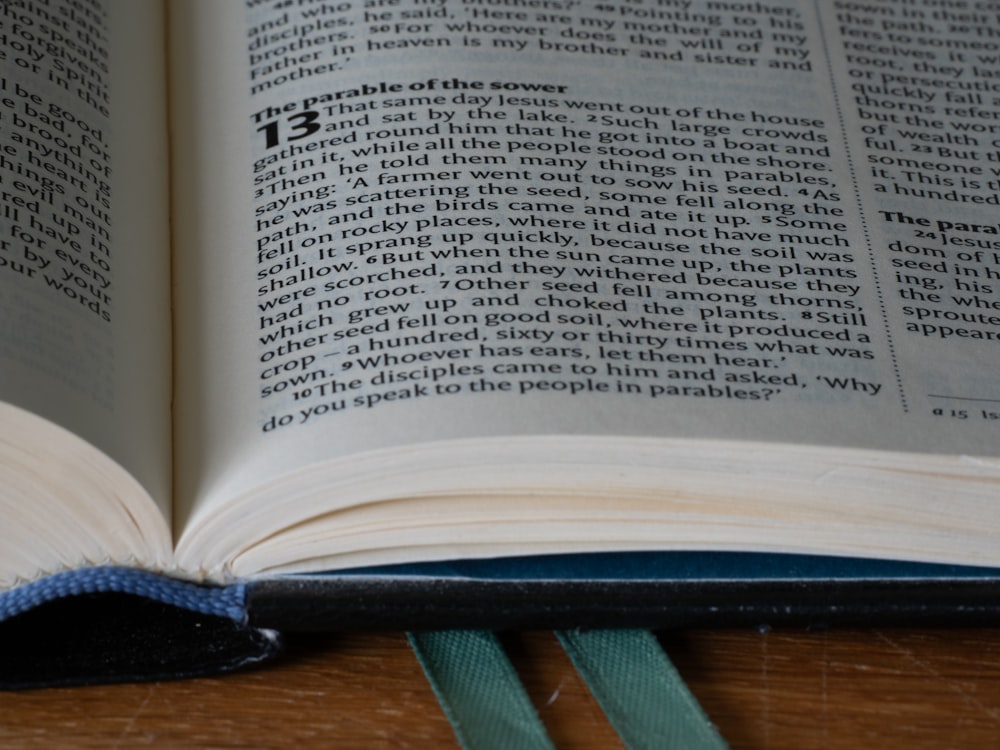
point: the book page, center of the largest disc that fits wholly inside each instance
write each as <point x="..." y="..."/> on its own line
<point x="84" y="253"/>
<point x="457" y="219"/>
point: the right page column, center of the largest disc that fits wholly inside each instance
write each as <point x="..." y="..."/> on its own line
<point x="917" y="87"/>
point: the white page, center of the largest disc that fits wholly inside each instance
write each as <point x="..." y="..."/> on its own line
<point x="712" y="318"/>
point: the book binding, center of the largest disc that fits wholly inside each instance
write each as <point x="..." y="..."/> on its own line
<point x="112" y="624"/>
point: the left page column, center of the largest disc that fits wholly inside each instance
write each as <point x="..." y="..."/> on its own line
<point x="85" y="335"/>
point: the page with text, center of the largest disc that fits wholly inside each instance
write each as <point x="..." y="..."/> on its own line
<point x="84" y="237"/>
<point x="85" y="337"/>
<point x="410" y="220"/>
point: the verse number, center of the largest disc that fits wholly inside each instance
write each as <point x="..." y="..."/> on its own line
<point x="299" y="125"/>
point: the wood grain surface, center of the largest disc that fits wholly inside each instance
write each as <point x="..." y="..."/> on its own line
<point x="886" y="688"/>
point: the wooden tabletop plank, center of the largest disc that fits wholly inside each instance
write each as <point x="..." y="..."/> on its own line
<point x="770" y="690"/>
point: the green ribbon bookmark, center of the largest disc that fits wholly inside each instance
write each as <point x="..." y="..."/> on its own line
<point x="479" y="690"/>
<point x="639" y="690"/>
<point x="631" y="677"/>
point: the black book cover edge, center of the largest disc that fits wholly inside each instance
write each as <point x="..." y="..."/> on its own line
<point x="99" y="636"/>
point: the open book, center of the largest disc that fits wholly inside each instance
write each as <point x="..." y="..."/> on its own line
<point x="296" y="286"/>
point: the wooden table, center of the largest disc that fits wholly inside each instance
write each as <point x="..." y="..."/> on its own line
<point x="884" y="688"/>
